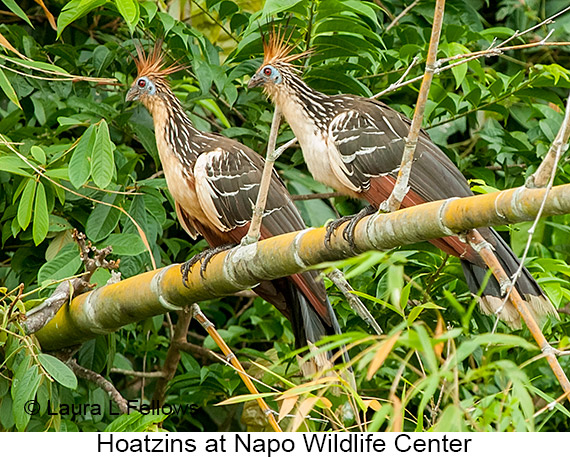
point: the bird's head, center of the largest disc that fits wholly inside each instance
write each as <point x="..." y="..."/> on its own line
<point x="276" y="68"/>
<point x="150" y="84"/>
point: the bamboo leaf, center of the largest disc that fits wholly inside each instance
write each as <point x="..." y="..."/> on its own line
<point x="41" y="215"/>
<point x="26" y="204"/>
<point x="13" y="6"/>
<point x="305" y="408"/>
<point x="8" y="89"/>
<point x="287" y="405"/>
<point x="382" y="354"/>
<point x="103" y="166"/>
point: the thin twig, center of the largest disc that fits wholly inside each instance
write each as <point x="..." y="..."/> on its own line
<point x="173" y="354"/>
<point x="485" y="251"/>
<point x="337" y="277"/>
<point x="100" y="381"/>
<point x="38" y="317"/>
<point x="405" y="11"/>
<point x="271" y="156"/>
<point x="546" y="171"/>
<point x="322" y="196"/>
<point x="209" y="327"/>
<point x="401" y="186"/>
<point x="138" y="374"/>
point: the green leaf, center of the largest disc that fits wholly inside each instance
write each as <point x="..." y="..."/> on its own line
<point x="41" y="215"/>
<point x="125" y="244"/>
<point x="460" y="71"/>
<point x="129" y="9"/>
<point x="65" y="264"/>
<point x="58" y="370"/>
<point x="24" y="388"/>
<point x="74" y="10"/>
<point x="13" y="164"/>
<point x="26" y="203"/>
<point x="13" y="6"/>
<point x="80" y="163"/>
<point x="102" y="220"/>
<point x="38" y="154"/>
<point x="8" y="89"/>
<point x="103" y="167"/>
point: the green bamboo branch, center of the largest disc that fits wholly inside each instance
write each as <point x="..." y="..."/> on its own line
<point x="156" y="292"/>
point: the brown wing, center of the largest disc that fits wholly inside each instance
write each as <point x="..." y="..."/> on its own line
<point x="227" y="182"/>
<point x="370" y="139"/>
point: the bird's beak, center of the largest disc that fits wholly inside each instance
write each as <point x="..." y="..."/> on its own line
<point x="132" y="94"/>
<point x="255" y="81"/>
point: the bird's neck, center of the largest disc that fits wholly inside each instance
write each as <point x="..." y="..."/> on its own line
<point x="302" y="106"/>
<point x="175" y="133"/>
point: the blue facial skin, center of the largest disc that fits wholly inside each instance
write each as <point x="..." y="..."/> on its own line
<point x="272" y="74"/>
<point x="143" y="86"/>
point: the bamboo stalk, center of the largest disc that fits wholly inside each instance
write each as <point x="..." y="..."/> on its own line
<point x="110" y="307"/>
<point x="231" y="358"/>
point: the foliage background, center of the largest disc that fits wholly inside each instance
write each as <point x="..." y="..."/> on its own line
<point x="495" y="117"/>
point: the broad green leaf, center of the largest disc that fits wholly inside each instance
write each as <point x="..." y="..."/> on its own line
<point x="38" y="154"/>
<point x="459" y="71"/>
<point x="80" y="163"/>
<point x="13" y="6"/>
<point x="65" y="264"/>
<point x="8" y="89"/>
<point x="103" y="162"/>
<point x="24" y="387"/>
<point x="74" y="10"/>
<point x="26" y="204"/>
<point x="125" y="244"/>
<point x="129" y="9"/>
<point x="41" y="215"/>
<point x="103" y="219"/>
<point x="58" y="370"/>
<point x="13" y="164"/>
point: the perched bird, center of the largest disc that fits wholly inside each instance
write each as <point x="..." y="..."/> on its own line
<point x="355" y="145"/>
<point x="214" y="181"/>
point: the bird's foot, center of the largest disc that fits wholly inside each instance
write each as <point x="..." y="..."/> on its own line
<point x="348" y="233"/>
<point x="332" y="226"/>
<point x="204" y="257"/>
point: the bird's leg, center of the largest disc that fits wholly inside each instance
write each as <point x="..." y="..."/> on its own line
<point x="348" y="233"/>
<point x="204" y="257"/>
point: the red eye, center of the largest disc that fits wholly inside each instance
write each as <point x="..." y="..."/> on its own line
<point x="141" y="83"/>
<point x="267" y="71"/>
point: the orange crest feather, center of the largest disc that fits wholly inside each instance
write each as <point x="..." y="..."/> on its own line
<point x="152" y="64"/>
<point x="277" y="48"/>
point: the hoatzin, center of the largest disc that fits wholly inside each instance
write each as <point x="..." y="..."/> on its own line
<point x="214" y="181"/>
<point x="355" y="144"/>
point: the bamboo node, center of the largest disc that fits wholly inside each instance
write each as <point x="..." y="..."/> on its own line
<point x="298" y="260"/>
<point x="440" y="215"/>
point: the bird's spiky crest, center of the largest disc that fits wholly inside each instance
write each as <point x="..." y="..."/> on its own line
<point x="277" y="48"/>
<point x="152" y="64"/>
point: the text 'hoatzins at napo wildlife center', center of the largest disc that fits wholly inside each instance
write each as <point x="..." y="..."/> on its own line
<point x="268" y="446"/>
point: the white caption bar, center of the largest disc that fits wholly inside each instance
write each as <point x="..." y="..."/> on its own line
<point x="285" y="444"/>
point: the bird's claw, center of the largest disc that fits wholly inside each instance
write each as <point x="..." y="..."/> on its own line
<point x="348" y="232"/>
<point x="204" y="257"/>
<point x="332" y="226"/>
